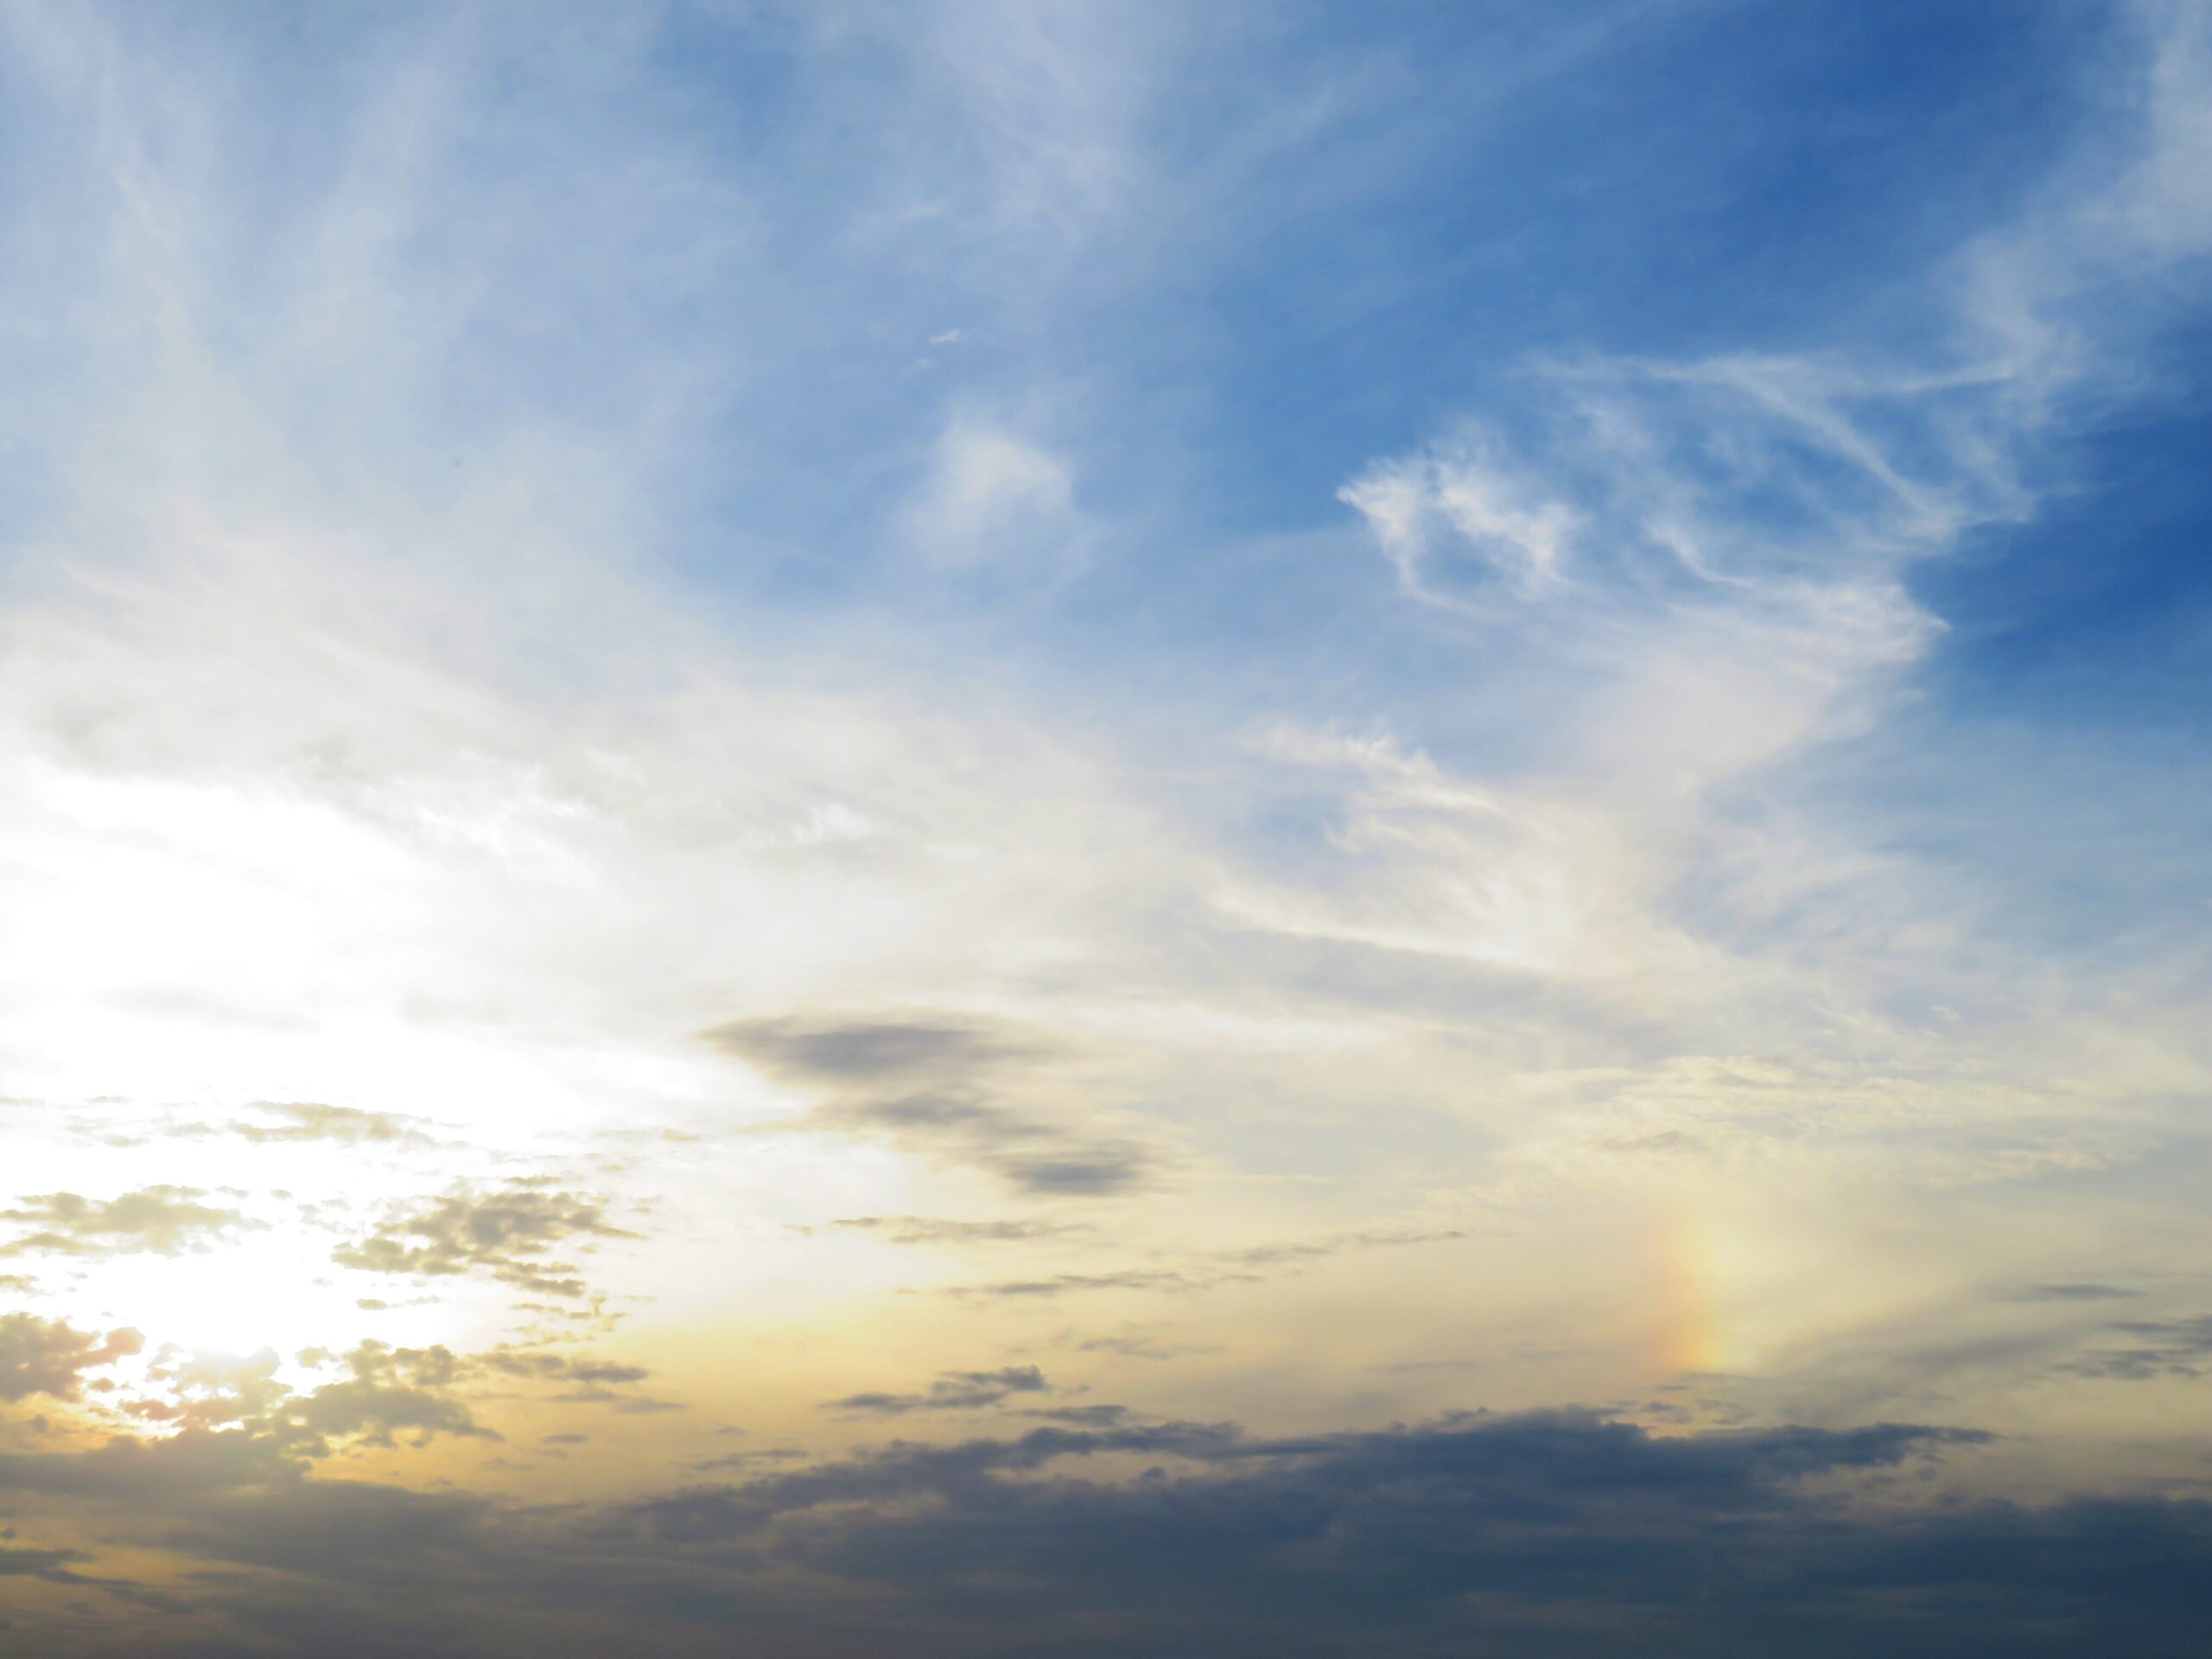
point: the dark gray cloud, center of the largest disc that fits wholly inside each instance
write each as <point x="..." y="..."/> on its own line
<point x="956" y="1091"/>
<point x="48" y="1356"/>
<point x="508" y="1234"/>
<point x="951" y="1391"/>
<point x="1564" y="1533"/>
<point x="1031" y="1153"/>
<point x="904" y="1051"/>
<point x="165" y="1220"/>
<point x="52" y="1564"/>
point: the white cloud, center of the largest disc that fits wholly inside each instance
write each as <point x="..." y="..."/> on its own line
<point x="1679" y="585"/>
<point x="1461" y="492"/>
<point x="994" y="498"/>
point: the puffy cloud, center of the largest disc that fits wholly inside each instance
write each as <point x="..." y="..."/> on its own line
<point x="382" y="1392"/>
<point x="48" y="1356"/>
<point x="385" y="1391"/>
<point x="373" y="1412"/>
<point x="508" y="1233"/>
<point x="162" y="1219"/>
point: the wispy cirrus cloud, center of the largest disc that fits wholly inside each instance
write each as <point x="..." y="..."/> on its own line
<point x="949" y="1391"/>
<point x="949" y="1231"/>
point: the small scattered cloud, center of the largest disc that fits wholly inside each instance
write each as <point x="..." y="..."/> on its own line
<point x="391" y="1391"/>
<point x="2153" y="1347"/>
<point x="993" y="496"/>
<point x="508" y="1234"/>
<point x="1460" y="504"/>
<point x="935" y="1230"/>
<point x="163" y="1220"/>
<point x="951" y="1391"/>
<point x="560" y="1367"/>
<point x="48" y="1356"/>
<point x="387" y="1391"/>
<point x="1082" y="1416"/>
<point x="344" y="1125"/>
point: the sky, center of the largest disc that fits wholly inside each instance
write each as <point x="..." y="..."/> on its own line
<point x="1040" y="828"/>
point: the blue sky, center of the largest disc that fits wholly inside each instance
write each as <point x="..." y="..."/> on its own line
<point x="806" y="809"/>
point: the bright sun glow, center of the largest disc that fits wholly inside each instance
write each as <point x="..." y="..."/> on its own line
<point x="269" y="1290"/>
